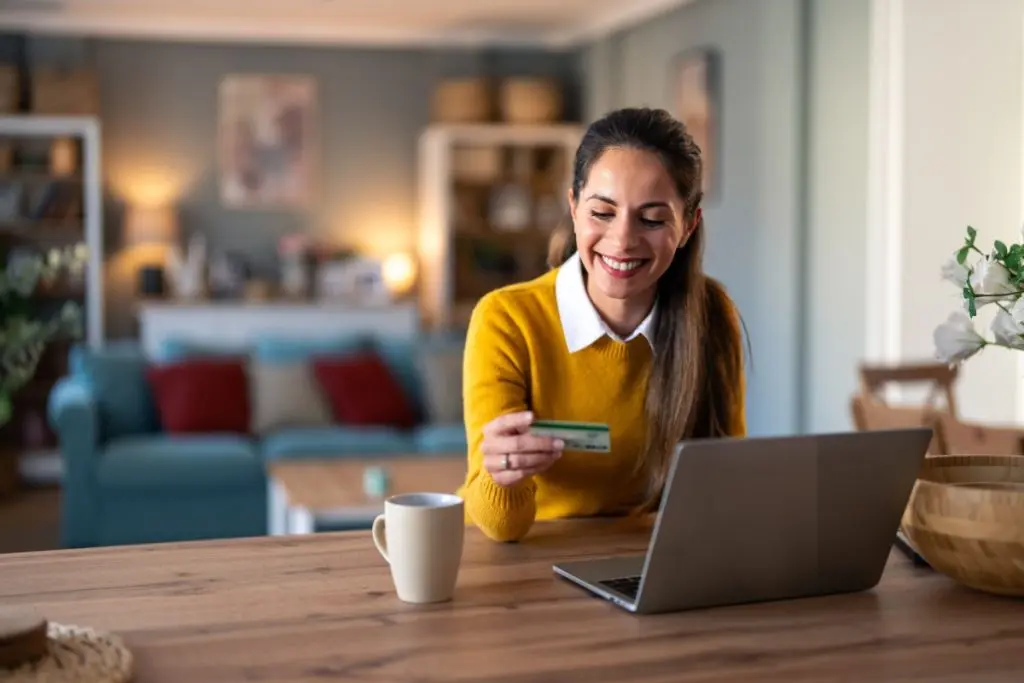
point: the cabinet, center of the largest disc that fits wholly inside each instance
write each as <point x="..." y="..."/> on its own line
<point x="490" y="196"/>
<point x="50" y="198"/>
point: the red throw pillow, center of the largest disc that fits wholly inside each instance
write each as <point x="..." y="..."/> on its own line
<point x="201" y="395"/>
<point x="362" y="390"/>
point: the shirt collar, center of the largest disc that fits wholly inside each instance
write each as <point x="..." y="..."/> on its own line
<point x="581" y="322"/>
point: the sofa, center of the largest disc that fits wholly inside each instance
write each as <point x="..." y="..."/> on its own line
<point x="158" y="449"/>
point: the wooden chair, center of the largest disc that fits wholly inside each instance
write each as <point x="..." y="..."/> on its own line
<point x="966" y="438"/>
<point x="871" y="412"/>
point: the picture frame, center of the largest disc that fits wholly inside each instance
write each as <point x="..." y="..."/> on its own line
<point x="268" y="130"/>
<point x="695" y="94"/>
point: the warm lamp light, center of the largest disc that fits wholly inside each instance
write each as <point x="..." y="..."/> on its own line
<point x="399" y="272"/>
<point x="150" y="225"/>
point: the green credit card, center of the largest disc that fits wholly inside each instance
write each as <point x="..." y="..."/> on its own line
<point x="578" y="436"/>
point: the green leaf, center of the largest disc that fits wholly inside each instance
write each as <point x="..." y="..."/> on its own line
<point x="1001" y="250"/>
<point x="961" y="255"/>
<point x="971" y="234"/>
<point x="5" y="409"/>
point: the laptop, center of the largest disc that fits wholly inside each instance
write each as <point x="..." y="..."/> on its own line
<point x="747" y="520"/>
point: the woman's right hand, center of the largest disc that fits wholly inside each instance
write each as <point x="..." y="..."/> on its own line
<point x="512" y="454"/>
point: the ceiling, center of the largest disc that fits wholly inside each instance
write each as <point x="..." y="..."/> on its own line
<point x="547" y="23"/>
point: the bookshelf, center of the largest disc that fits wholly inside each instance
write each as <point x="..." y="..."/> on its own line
<point x="490" y="196"/>
<point x="50" y="198"/>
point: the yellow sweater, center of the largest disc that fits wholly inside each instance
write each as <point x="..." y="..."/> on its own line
<point x="516" y="359"/>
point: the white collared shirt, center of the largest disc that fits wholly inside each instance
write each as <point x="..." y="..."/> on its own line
<point x="581" y="322"/>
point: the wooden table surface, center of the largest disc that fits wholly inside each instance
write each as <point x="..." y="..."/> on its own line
<point x="322" y="607"/>
<point x="325" y="484"/>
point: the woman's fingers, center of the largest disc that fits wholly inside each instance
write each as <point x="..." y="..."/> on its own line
<point x="509" y="423"/>
<point x="519" y="443"/>
<point x="520" y="461"/>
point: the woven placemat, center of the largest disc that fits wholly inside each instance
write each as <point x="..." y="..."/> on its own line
<point x="76" y="654"/>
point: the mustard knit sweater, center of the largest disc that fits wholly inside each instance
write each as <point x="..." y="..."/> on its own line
<point x="516" y="359"/>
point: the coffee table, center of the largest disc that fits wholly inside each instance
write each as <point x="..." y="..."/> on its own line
<point x="308" y="492"/>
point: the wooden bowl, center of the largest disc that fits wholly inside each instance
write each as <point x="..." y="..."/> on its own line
<point x="966" y="518"/>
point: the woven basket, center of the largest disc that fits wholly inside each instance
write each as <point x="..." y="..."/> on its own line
<point x="531" y="100"/>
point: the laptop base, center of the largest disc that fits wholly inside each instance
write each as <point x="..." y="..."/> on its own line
<point x="596" y="575"/>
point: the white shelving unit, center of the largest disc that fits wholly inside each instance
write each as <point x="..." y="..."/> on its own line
<point x="87" y="130"/>
<point x="461" y="166"/>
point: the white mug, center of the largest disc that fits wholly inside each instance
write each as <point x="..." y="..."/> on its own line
<point x="421" y="537"/>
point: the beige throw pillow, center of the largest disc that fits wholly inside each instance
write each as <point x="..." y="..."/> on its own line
<point x="441" y="374"/>
<point x="285" y="395"/>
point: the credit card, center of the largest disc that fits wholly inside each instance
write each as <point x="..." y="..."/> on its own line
<point x="578" y="436"/>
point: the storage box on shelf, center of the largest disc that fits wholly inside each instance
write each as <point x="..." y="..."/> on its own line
<point x="175" y="446"/>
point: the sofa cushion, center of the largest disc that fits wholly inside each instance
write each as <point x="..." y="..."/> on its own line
<point x="175" y="350"/>
<point x="160" y="462"/>
<point x="273" y="350"/>
<point x="116" y="376"/>
<point x="318" y="442"/>
<point x="441" y="438"/>
<point x="363" y="390"/>
<point x="202" y="395"/>
<point x="285" y="395"/>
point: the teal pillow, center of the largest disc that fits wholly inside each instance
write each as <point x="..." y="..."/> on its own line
<point x="283" y="350"/>
<point x="176" y="350"/>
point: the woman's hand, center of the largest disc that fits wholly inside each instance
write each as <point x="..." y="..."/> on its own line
<point x="511" y="454"/>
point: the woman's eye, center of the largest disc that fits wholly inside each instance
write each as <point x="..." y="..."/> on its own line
<point x="652" y="223"/>
<point x="601" y="216"/>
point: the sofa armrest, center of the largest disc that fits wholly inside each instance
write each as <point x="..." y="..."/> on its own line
<point x="73" y="415"/>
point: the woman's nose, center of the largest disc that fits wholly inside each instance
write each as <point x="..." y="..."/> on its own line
<point x="624" y="231"/>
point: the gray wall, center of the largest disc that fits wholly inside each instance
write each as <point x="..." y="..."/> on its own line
<point x="159" y="114"/>
<point x="837" y="209"/>
<point x="755" y="237"/>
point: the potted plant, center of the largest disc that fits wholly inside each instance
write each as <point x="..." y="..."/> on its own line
<point x="25" y="331"/>
<point x="985" y="278"/>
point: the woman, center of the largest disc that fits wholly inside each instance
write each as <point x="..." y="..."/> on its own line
<point x="626" y="330"/>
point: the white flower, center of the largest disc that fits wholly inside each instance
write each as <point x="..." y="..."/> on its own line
<point x="956" y="339"/>
<point x="1017" y="312"/>
<point x="991" y="282"/>
<point x="955" y="272"/>
<point x="1006" y="331"/>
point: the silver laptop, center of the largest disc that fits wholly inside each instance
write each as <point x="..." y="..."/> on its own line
<point x="759" y="519"/>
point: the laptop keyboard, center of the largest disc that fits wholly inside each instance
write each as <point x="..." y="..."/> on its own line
<point x="627" y="585"/>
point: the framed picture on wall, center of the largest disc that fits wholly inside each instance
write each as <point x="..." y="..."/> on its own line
<point x="696" y="101"/>
<point x="267" y="137"/>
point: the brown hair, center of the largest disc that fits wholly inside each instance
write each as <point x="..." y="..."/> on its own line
<point x="696" y="385"/>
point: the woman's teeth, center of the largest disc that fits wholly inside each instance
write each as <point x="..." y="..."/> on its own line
<point x="622" y="265"/>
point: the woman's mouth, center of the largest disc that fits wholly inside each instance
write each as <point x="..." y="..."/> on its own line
<point x="620" y="267"/>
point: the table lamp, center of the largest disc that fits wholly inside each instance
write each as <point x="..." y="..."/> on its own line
<point x="150" y="226"/>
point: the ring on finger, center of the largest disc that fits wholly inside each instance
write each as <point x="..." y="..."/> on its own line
<point x="505" y="463"/>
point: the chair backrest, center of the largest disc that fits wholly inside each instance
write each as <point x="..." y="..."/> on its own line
<point x="870" y="414"/>
<point x="939" y="377"/>
<point x="966" y="438"/>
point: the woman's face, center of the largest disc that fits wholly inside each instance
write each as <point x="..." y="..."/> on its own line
<point x="629" y="222"/>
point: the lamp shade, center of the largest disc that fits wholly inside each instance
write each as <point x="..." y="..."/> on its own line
<point x="150" y="225"/>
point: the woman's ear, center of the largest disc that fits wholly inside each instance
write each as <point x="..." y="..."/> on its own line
<point x="572" y="204"/>
<point x="690" y="227"/>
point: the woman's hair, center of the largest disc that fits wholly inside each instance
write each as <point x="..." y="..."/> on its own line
<point x="697" y="378"/>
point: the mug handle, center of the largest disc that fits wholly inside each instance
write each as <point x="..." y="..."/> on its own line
<point x="379" y="539"/>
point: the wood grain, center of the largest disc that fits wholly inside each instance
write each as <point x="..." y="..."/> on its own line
<point x="338" y="483"/>
<point x="322" y="607"/>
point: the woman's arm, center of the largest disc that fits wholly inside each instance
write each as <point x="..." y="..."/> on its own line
<point x="495" y="374"/>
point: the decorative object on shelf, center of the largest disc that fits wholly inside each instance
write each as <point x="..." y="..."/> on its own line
<point x="63" y="157"/>
<point x="187" y="273"/>
<point x="462" y="100"/>
<point x="267" y="140"/>
<point x="966" y="519"/>
<point x="531" y="100"/>
<point x="294" y="254"/>
<point x="697" y="102"/>
<point x="65" y="92"/>
<point x="994" y="279"/>
<point x="228" y="274"/>
<point x="511" y="208"/>
<point x="358" y="280"/>
<point x="25" y="332"/>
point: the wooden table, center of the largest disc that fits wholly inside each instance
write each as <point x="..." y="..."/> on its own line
<point x="322" y="607"/>
<point x="306" y="493"/>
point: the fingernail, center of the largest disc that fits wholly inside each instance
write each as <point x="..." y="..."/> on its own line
<point x="559" y="444"/>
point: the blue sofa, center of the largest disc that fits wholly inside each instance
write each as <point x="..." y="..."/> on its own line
<point x="125" y="481"/>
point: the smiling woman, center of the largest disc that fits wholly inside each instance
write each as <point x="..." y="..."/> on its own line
<point x="625" y="330"/>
